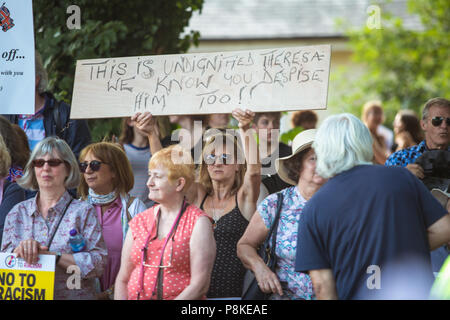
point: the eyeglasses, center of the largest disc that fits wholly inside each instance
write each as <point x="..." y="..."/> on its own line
<point x="94" y="164"/>
<point x="436" y="121"/>
<point x="39" y="163"/>
<point x="225" y="158"/>
<point x="145" y="249"/>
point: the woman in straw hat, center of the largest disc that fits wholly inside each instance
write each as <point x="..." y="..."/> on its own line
<point x="298" y="170"/>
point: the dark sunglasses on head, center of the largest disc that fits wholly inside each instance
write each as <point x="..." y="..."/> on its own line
<point x="436" y="121"/>
<point x="39" y="163"/>
<point x="94" y="164"/>
<point x="225" y="158"/>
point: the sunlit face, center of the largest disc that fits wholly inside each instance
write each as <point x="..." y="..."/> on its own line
<point x="160" y="188"/>
<point x="101" y="181"/>
<point x="222" y="164"/>
<point x="308" y="172"/>
<point x="268" y="126"/>
<point x="51" y="176"/>
<point x="436" y="137"/>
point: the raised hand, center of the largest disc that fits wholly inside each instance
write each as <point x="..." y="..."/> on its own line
<point x="244" y="118"/>
<point x="145" y="122"/>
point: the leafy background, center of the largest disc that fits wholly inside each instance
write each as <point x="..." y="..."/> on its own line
<point x="403" y="68"/>
<point x="109" y="28"/>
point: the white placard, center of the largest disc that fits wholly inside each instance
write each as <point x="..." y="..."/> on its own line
<point x="282" y="79"/>
<point x="17" y="73"/>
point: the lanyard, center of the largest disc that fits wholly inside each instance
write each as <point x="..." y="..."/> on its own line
<point x="147" y="241"/>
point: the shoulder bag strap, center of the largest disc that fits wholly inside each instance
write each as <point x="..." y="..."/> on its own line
<point x="56" y="118"/>
<point x="274" y="226"/>
<point x="270" y="249"/>
<point x="130" y="201"/>
<point x="57" y="226"/>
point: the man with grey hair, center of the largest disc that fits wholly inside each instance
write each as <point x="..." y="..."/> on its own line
<point x="51" y="117"/>
<point x="365" y="220"/>
<point x="435" y="123"/>
<point x="429" y="159"/>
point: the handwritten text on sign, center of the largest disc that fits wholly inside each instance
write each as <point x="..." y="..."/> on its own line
<point x="263" y="80"/>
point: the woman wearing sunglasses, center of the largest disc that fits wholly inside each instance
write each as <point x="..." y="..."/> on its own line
<point x="41" y="225"/>
<point x="230" y="180"/>
<point x="107" y="181"/>
<point x="169" y="249"/>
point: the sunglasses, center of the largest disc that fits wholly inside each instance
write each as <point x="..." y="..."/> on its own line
<point x="436" y="121"/>
<point x="39" y="163"/>
<point x="94" y="164"/>
<point x="163" y="266"/>
<point x="225" y="158"/>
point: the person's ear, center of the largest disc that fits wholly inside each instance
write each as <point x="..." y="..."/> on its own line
<point x="423" y="124"/>
<point x="181" y="182"/>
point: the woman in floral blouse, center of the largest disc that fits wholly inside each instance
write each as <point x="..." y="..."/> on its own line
<point x="298" y="170"/>
<point x="41" y="225"/>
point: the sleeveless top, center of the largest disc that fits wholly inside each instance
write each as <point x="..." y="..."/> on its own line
<point x="177" y="254"/>
<point x="228" y="272"/>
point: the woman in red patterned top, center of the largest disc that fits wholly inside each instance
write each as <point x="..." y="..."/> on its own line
<point x="169" y="249"/>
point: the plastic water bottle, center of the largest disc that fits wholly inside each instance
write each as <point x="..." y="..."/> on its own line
<point x="76" y="241"/>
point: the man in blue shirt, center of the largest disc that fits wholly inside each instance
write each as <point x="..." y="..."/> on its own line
<point x="51" y="117"/>
<point x="366" y="220"/>
<point x="435" y="123"/>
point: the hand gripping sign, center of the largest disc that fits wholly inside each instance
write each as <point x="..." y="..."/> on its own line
<point x="283" y="79"/>
<point x="22" y="281"/>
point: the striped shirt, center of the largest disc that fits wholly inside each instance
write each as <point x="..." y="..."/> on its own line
<point x="139" y="158"/>
<point x="33" y="125"/>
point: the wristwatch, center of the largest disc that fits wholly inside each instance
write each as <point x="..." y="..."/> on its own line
<point x="58" y="256"/>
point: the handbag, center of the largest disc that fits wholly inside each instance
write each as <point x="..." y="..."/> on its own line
<point x="267" y="253"/>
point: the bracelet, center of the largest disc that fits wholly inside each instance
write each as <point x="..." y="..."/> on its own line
<point x="58" y="256"/>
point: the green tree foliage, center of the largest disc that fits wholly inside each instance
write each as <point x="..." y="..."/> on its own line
<point x="109" y="28"/>
<point x="403" y="68"/>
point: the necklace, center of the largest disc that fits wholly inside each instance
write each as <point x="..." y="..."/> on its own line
<point x="216" y="217"/>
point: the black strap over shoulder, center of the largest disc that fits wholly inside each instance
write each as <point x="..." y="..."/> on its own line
<point x="268" y="254"/>
<point x="276" y="219"/>
<point x="57" y="118"/>
<point x="59" y="222"/>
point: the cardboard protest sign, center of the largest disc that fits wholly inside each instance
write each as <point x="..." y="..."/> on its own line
<point x="262" y="80"/>
<point x="22" y="281"/>
<point x="17" y="74"/>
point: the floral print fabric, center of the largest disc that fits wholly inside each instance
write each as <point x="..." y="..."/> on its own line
<point x="296" y="285"/>
<point x="24" y="222"/>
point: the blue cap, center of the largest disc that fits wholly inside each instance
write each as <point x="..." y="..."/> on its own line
<point x="73" y="232"/>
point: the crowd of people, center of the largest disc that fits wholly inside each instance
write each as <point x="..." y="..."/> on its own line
<point x="182" y="215"/>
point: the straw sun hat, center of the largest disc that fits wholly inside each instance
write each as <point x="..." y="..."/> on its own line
<point x="441" y="196"/>
<point x="302" y="141"/>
